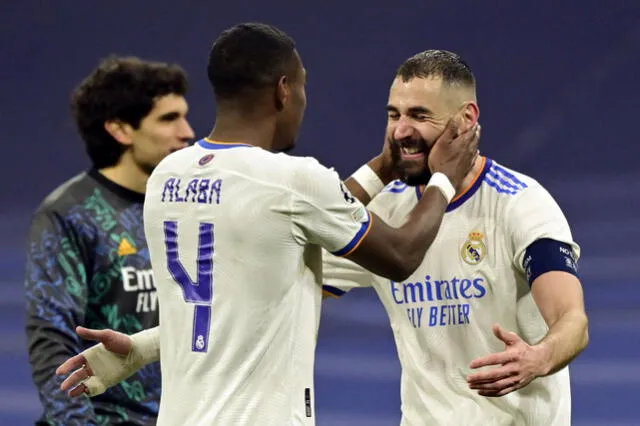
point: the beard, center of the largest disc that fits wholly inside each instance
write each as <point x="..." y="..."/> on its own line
<point x="412" y="172"/>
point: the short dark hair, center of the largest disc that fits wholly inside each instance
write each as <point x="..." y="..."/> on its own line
<point x="120" y="88"/>
<point x="249" y="57"/>
<point x="441" y="63"/>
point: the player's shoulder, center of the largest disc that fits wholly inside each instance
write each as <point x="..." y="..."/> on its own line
<point x="65" y="205"/>
<point x="203" y="154"/>
<point x="306" y="175"/>
<point x="395" y="197"/>
<point x="507" y="182"/>
<point x="66" y="195"/>
<point x="265" y="168"/>
<point x="287" y="163"/>
<point x="290" y="168"/>
<point x="305" y="165"/>
<point x="519" y="193"/>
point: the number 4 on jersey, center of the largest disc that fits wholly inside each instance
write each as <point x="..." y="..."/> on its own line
<point x="199" y="292"/>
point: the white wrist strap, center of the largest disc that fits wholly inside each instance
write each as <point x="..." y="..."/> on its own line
<point x="442" y="182"/>
<point x="368" y="180"/>
<point x="146" y="345"/>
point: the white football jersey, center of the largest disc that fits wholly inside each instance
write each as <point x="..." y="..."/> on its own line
<point x="235" y="235"/>
<point x="472" y="277"/>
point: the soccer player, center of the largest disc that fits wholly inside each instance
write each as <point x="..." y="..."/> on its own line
<point x="88" y="262"/>
<point x="235" y="233"/>
<point x="498" y="288"/>
<point x="488" y="323"/>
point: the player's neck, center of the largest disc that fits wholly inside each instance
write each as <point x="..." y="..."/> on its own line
<point x="256" y="131"/>
<point x="469" y="178"/>
<point x="127" y="175"/>
<point x="472" y="175"/>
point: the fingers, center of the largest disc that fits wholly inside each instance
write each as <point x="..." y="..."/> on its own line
<point x="114" y="341"/>
<point x="81" y="389"/>
<point x="496" y="385"/>
<point x="467" y="141"/>
<point x="499" y="358"/>
<point x="501" y="390"/>
<point x="454" y="132"/>
<point x="76" y="378"/>
<point x="71" y="364"/>
<point x="471" y="135"/>
<point x="475" y="138"/>
<point x="452" y="129"/>
<point x="496" y="330"/>
<point x="475" y="157"/>
<point x="508" y="337"/>
<point x="491" y="376"/>
<point x="91" y="334"/>
<point x="387" y="160"/>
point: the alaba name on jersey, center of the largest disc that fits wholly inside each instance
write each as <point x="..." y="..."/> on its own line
<point x="235" y="235"/>
<point x="472" y="277"/>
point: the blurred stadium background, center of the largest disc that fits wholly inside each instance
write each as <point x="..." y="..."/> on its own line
<point x="559" y="93"/>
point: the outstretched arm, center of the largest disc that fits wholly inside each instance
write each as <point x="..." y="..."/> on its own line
<point x="116" y="357"/>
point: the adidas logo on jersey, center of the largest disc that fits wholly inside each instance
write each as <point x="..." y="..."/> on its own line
<point x="126" y="248"/>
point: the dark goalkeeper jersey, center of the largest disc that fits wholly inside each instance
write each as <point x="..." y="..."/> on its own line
<point x="88" y="264"/>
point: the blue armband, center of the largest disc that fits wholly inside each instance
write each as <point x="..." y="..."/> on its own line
<point x="546" y="255"/>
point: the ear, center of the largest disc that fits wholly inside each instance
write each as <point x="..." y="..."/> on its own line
<point x="120" y="131"/>
<point x="282" y="93"/>
<point x="470" y="114"/>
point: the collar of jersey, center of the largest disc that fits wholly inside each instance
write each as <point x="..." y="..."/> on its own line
<point x="469" y="191"/>
<point x="119" y="190"/>
<point x="210" y="144"/>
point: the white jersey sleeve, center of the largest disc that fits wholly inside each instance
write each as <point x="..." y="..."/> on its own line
<point x="535" y="215"/>
<point x="341" y="275"/>
<point x="324" y="212"/>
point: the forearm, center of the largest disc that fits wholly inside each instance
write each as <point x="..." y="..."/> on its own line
<point x="365" y="184"/>
<point x="395" y="253"/>
<point x="421" y="227"/>
<point x="146" y="344"/>
<point x="414" y="238"/>
<point x="566" y="338"/>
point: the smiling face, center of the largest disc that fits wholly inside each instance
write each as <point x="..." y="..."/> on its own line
<point x="416" y="115"/>
<point x="429" y="89"/>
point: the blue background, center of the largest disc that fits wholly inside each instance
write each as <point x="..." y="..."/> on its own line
<point x="559" y="94"/>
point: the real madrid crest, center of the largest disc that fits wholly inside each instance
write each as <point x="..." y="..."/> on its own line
<point x="473" y="250"/>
